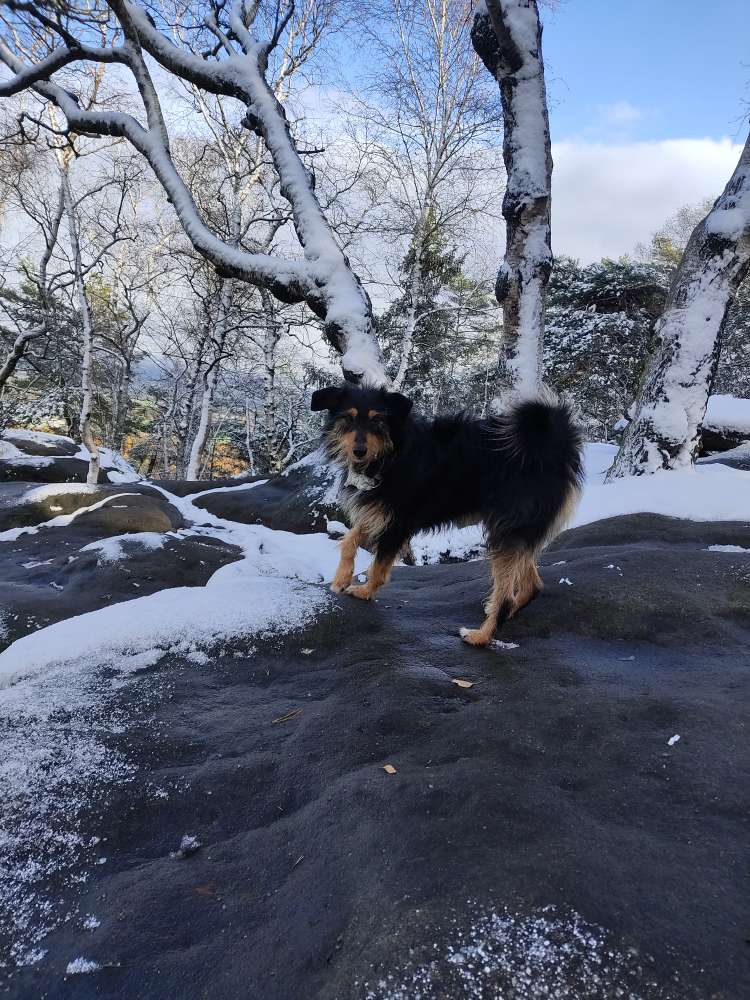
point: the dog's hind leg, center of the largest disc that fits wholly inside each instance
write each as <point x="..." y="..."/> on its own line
<point x="530" y="584"/>
<point x="348" y="546"/>
<point x="506" y="567"/>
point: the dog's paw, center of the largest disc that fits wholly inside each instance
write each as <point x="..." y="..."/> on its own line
<point x="362" y="593"/>
<point x="339" y="588"/>
<point x="474" y="636"/>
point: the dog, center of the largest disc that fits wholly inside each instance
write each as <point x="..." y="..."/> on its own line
<point x="519" y="473"/>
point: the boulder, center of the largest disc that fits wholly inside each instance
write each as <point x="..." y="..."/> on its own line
<point x="726" y="424"/>
<point x="33" y="456"/>
<point x="116" y="509"/>
<point x="569" y="820"/>
<point x="301" y="500"/>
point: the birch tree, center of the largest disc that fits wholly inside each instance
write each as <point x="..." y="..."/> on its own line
<point x="47" y="219"/>
<point x="507" y="35"/>
<point x="427" y="130"/>
<point x="222" y="49"/>
<point x="665" y="429"/>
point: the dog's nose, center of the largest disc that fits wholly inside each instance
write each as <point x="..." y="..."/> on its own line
<point x="360" y="452"/>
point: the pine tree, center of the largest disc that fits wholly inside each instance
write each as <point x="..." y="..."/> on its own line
<point x="455" y="334"/>
<point x="599" y="328"/>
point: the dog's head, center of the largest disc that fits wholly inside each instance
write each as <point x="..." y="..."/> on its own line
<point x="364" y="425"/>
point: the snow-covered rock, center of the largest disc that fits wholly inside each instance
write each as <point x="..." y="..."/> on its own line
<point x="39" y="457"/>
<point x="727" y="423"/>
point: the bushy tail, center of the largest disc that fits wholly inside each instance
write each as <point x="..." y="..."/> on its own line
<point x="542" y="436"/>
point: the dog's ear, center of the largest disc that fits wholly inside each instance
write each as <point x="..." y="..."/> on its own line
<point x="326" y="399"/>
<point x="400" y="406"/>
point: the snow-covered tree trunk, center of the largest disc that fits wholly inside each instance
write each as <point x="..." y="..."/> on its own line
<point x="507" y="36"/>
<point x="237" y="68"/>
<point x="665" y="430"/>
<point x="87" y="333"/>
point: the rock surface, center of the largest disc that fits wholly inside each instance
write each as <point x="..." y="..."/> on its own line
<point x="543" y="833"/>
<point x="51" y="458"/>
<point x="302" y="501"/>
<point x="54" y="572"/>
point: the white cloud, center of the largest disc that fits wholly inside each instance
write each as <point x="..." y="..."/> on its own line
<point x="608" y="197"/>
<point x="620" y="113"/>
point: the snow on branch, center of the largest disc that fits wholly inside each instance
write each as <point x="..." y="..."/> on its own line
<point x="236" y="68"/>
<point x="668" y="415"/>
<point x="507" y="36"/>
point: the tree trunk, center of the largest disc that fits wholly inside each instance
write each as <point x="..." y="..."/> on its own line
<point x="122" y="403"/>
<point x="210" y="379"/>
<point x="666" y="426"/>
<point x="17" y="351"/>
<point x="87" y="387"/>
<point x="507" y="36"/>
<point x="22" y="341"/>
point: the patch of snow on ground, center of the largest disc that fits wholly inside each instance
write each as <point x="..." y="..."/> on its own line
<point x="39" y="493"/>
<point x="727" y="548"/>
<point x="704" y="493"/>
<point x="227" y="489"/>
<point x="56" y="764"/>
<point x="544" y="955"/>
<point x="9" y="453"/>
<point x="36" y="437"/>
<point x="58" y="707"/>
<point x="112" y="549"/>
<point x="451" y="543"/>
<point x="62" y="520"/>
<point x="81" y="966"/>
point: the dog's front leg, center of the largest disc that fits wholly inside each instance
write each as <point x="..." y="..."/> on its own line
<point x="377" y="575"/>
<point x="348" y="546"/>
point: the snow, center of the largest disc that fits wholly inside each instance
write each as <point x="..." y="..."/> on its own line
<point x="727" y="548"/>
<point x="673" y="739"/>
<point x="712" y="492"/>
<point x="81" y="966"/>
<point x="268" y="590"/>
<point x="58" y="689"/>
<point x="188" y="845"/>
<point x="728" y="413"/>
<point x="112" y="549"/>
<point x="36" y="437"/>
<point x="61" y="521"/>
<point x="10" y="453"/>
<point x="11" y="450"/>
<point x="227" y="489"/>
<point x="39" y="493"/>
<point x="117" y="468"/>
<point x="729" y="222"/>
<point x="450" y="543"/>
<point x="547" y="954"/>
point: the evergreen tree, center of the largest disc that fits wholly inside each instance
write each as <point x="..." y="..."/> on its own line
<point x="457" y="329"/>
<point x="599" y="328"/>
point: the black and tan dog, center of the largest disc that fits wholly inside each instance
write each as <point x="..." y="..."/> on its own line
<point x="519" y="474"/>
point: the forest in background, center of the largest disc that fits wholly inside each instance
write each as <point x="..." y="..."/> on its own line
<point x="119" y="327"/>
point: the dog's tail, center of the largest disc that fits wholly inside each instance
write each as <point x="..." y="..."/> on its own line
<point x="542" y="434"/>
<point x="542" y="446"/>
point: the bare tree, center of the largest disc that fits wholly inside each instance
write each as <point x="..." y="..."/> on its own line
<point x="227" y="55"/>
<point x="507" y="35"/>
<point x="666" y="426"/>
<point x="431" y="115"/>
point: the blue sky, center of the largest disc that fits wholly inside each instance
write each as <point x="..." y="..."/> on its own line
<point x="647" y="69"/>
